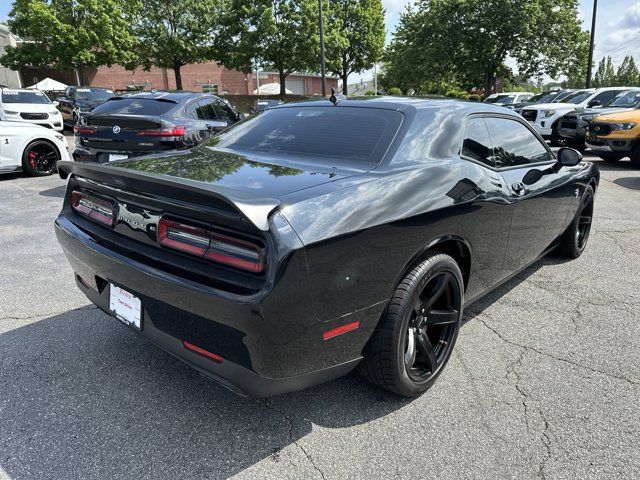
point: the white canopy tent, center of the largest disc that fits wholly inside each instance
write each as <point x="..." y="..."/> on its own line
<point x="270" y="89"/>
<point x="48" y="85"/>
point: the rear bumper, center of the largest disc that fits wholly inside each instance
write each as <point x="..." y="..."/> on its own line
<point x="267" y="344"/>
<point x="90" y="155"/>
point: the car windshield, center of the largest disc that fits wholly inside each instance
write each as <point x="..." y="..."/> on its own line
<point x="627" y="99"/>
<point x="134" y="106"/>
<point x="19" y="96"/>
<point x="360" y="134"/>
<point x="578" y="97"/>
<point x="505" y="99"/>
<point x="562" y="96"/>
<point x="99" y="94"/>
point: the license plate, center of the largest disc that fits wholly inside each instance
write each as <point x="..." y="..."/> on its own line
<point x="126" y="306"/>
<point x="115" y="156"/>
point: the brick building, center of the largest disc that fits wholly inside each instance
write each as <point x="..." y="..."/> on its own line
<point x="197" y="77"/>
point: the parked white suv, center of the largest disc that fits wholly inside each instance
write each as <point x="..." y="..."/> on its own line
<point x="545" y="117"/>
<point x="508" y="99"/>
<point x="31" y="106"/>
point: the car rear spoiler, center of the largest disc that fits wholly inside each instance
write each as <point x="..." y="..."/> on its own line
<point x="253" y="208"/>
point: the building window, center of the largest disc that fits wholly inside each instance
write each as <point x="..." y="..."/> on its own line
<point x="210" y="88"/>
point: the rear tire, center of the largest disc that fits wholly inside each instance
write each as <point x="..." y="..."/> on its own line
<point x="575" y="238"/>
<point x="635" y="155"/>
<point x="556" y="140"/>
<point x="40" y="158"/>
<point x="416" y="335"/>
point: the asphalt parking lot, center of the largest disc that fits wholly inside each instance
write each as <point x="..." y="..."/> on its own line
<point x="544" y="381"/>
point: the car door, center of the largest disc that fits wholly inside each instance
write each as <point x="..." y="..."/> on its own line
<point x="488" y="226"/>
<point x="541" y="207"/>
<point x="224" y="112"/>
<point x="207" y="111"/>
<point x="66" y="104"/>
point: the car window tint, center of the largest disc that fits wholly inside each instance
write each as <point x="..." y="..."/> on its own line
<point x="134" y="106"/>
<point x="224" y="113"/>
<point x="359" y="134"/>
<point x="514" y="144"/>
<point x="606" y="97"/>
<point x="477" y="142"/>
<point x="205" y="110"/>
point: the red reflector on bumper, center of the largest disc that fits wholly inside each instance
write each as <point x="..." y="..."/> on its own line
<point x="202" y="351"/>
<point x="334" y="332"/>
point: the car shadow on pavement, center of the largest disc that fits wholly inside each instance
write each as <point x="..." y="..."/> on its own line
<point x="628" y="182"/>
<point x="85" y="397"/>
<point x="54" y="192"/>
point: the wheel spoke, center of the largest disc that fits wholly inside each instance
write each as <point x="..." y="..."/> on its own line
<point x="438" y="289"/>
<point x="410" y="354"/>
<point x="442" y="317"/>
<point x="425" y="347"/>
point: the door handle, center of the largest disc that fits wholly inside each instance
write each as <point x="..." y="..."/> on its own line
<point x="517" y="187"/>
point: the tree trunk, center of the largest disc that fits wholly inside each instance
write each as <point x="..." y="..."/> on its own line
<point x="345" y="85"/>
<point x="176" y="70"/>
<point x="488" y="83"/>
<point x="283" y="79"/>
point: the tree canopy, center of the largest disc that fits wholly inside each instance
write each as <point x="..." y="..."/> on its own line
<point x="356" y="36"/>
<point x="466" y="42"/>
<point x="173" y="33"/>
<point x="69" y="35"/>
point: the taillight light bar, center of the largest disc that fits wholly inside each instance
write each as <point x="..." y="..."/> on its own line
<point x="172" y="132"/>
<point x="214" y="246"/>
<point x="100" y="210"/>
<point x="84" y="129"/>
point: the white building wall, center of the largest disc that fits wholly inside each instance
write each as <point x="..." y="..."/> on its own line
<point x="8" y="77"/>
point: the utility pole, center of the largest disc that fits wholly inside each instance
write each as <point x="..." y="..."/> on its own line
<point x="593" y="36"/>
<point x="322" y="69"/>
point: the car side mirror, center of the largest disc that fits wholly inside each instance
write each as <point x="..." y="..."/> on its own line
<point x="594" y="103"/>
<point x="568" y="157"/>
<point x="240" y="116"/>
<point x="56" y="103"/>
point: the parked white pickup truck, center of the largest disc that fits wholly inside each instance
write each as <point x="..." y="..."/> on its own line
<point x="545" y="117"/>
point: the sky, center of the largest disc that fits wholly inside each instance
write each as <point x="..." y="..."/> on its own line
<point x="617" y="27"/>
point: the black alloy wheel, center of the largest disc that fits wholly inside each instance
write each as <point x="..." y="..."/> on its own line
<point x="574" y="240"/>
<point x="416" y="335"/>
<point x="40" y="158"/>
<point x="556" y="139"/>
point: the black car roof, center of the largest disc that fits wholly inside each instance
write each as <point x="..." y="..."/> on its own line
<point x="175" y="97"/>
<point x="405" y="103"/>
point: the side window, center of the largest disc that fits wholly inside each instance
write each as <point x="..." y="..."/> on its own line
<point x="71" y="93"/>
<point x="514" y="144"/>
<point x="205" y="110"/>
<point x="477" y="142"/>
<point x="225" y="114"/>
<point x="605" y="97"/>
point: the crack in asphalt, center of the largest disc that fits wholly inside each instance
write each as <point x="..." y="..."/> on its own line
<point x="293" y="439"/>
<point x="630" y="381"/>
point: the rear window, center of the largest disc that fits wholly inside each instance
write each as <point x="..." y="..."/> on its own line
<point x="360" y="134"/>
<point x="134" y="106"/>
<point x="12" y="96"/>
<point x="98" y="94"/>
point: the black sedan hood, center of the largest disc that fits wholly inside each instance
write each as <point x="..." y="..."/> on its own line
<point x="255" y="174"/>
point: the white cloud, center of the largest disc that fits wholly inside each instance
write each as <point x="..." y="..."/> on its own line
<point x="620" y="36"/>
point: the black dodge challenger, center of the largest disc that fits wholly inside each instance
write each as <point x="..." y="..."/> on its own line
<point x="322" y="236"/>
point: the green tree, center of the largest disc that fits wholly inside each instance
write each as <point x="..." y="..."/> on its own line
<point x="628" y="74"/>
<point x="175" y="33"/>
<point x="599" y="77"/>
<point x="360" y="36"/>
<point x="468" y="41"/>
<point x="71" y="34"/>
<point x="278" y="34"/>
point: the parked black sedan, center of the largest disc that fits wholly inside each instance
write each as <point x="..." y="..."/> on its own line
<point x="78" y="101"/>
<point x="314" y="238"/>
<point x="147" y="123"/>
<point x="574" y="125"/>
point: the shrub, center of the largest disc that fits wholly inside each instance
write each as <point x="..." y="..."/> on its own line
<point x="370" y="92"/>
<point x="474" y="97"/>
<point x="395" y="91"/>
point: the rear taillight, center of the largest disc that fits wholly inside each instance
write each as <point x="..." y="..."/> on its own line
<point x="82" y="129"/>
<point x="170" y="132"/>
<point x="97" y="209"/>
<point x="211" y="245"/>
